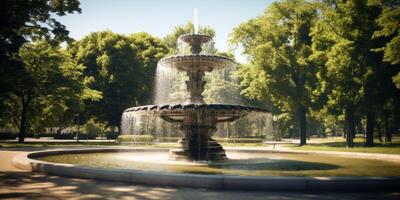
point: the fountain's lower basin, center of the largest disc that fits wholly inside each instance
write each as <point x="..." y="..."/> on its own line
<point x="243" y="163"/>
<point x="245" y="170"/>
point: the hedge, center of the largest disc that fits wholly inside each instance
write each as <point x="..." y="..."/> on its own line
<point x="111" y="135"/>
<point x="68" y="136"/>
<point x="86" y="136"/>
<point x="135" y="138"/>
<point x="239" y="140"/>
<point x="7" y="136"/>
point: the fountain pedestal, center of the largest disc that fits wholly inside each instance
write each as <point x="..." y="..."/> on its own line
<point x="198" y="145"/>
<point x="198" y="126"/>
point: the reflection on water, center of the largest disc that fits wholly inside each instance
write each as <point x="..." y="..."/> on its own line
<point x="240" y="163"/>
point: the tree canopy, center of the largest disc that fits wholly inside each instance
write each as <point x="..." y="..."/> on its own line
<point x="279" y="46"/>
<point x="121" y="67"/>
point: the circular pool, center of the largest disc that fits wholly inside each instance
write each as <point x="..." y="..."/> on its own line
<point x="244" y="170"/>
<point x="239" y="163"/>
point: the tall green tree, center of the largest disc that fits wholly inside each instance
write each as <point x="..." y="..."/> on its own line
<point x="111" y="67"/>
<point x="355" y="74"/>
<point x="388" y="33"/>
<point x="21" y="21"/>
<point x="51" y="75"/>
<point x="389" y="27"/>
<point x="279" y="47"/>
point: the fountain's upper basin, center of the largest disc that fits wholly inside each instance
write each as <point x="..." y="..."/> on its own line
<point x="178" y="112"/>
<point x="195" y="62"/>
<point x="195" y="38"/>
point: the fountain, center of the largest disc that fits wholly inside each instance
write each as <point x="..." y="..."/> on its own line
<point x="196" y="119"/>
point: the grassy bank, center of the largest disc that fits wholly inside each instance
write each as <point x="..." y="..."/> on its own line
<point x="385" y="148"/>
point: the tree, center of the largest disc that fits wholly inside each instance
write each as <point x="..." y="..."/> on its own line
<point x="279" y="47"/>
<point x="389" y="35"/>
<point x="51" y="75"/>
<point x="354" y="73"/>
<point x="21" y="21"/>
<point x="149" y="51"/>
<point x="113" y="69"/>
<point x="389" y="22"/>
<point x="121" y="67"/>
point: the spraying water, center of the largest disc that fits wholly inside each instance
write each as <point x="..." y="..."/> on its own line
<point x="196" y="21"/>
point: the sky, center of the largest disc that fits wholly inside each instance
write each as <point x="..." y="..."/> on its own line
<point x="159" y="17"/>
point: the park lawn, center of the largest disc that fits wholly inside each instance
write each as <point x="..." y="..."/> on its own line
<point x="55" y="144"/>
<point x="384" y="148"/>
<point x="112" y="143"/>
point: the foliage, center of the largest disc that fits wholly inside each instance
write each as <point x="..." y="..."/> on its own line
<point x="23" y="21"/>
<point x="94" y="128"/>
<point x="121" y="67"/>
<point x="352" y="78"/>
<point x="149" y="51"/>
<point x="389" y="21"/>
<point x="53" y="92"/>
<point x="279" y="47"/>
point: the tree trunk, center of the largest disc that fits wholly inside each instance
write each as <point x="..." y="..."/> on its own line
<point x="350" y="127"/>
<point x="23" y="121"/>
<point x="379" y="127"/>
<point x="370" y="128"/>
<point x="302" y="111"/>
<point x="388" y="131"/>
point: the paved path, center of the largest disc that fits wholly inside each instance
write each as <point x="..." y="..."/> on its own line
<point x="16" y="184"/>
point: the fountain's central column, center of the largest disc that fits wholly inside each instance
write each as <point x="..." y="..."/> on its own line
<point x="195" y="86"/>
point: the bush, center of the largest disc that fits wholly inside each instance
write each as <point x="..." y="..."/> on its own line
<point x="135" y="138"/>
<point x="7" y="136"/>
<point x="39" y="135"/>
<point x="168" y="139"/>
<point x="68" y="136"/>
<point x="29" y="135"/>
<point x="87" y="136"/>
<point x="111" y="135"/>
<point x="46" y="135"/>
<point x="92" y="127"/>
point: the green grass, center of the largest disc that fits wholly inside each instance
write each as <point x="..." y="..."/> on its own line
<point x="55" y="144"/>
<point x="385" y="148"/>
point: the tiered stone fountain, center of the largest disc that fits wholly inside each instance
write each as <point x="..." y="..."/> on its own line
<point x="197" y="119"/>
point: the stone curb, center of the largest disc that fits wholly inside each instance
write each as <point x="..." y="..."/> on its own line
<point x="27" y="162"/>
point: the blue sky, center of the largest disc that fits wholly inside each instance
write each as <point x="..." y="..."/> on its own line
<point x="159" y="17"/>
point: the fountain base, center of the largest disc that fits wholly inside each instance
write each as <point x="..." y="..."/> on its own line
<point x="197" y="145"/>
<point x="209" y="150"/>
